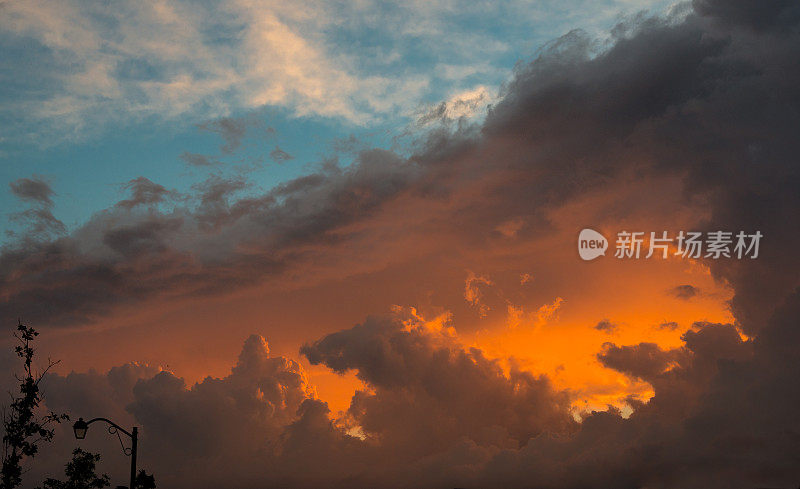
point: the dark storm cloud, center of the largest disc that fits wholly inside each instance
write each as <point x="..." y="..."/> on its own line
<point x="669" y="325"/>
<point x="252" y="405"/>
<point x="257" y="425"/>
<point x="33" y="190"/>
<point x="703" y="99"/>
<point x="141" y="238"/>
<point x="92" y="392"/>
<point x="263" y="425"/>
<point x="645" y="360"/>
<point x="684" y="292"/>
<point x="706" y="98"/>
<point x="427" y="391"/>
<point x="710" y="98"/>
<point x="134" y="251"/>
<point x="38" y="221"/>
<point x="143" y="192"/>
<point x="763" y="16"/>
<point x="437" y="414"/>
<point x="606" y="326"/>
<point x="658" y="445"/>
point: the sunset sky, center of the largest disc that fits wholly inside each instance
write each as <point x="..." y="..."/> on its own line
<point x="335" y="244"/>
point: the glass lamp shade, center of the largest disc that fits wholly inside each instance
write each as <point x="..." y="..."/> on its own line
<point x="80" y="427"/>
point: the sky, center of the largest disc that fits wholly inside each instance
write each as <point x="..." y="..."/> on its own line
<point x="97" y="95"/>
<point x="335" y="244"/>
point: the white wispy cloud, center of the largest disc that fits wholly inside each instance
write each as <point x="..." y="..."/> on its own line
<point x="361" y="62"/>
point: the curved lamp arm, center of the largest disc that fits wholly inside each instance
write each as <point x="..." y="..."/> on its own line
<point x="115" y="425"/>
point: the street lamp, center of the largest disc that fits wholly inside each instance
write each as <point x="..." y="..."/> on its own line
<point x="81" y="427"/>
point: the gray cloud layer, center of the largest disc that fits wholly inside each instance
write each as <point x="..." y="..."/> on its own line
<point x="710" y="98"/>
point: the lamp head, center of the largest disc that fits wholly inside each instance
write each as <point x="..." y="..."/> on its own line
<point x="80" y="427"/>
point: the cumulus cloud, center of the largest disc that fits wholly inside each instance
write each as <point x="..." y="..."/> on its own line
<point x="143" y="192"/>
<point x="645" y="360"/>
<point x="246" y="427"/>
<point x="462" y="105"/>
<point x="246" y="410"/>
<point x="434" y="412"/>
<point x="606" y="326"/>
<point x="427" y="393"/>
<point x="684" y="292"/>
<point x="263" y="423"/>
<point x="33" y="190"/>
<point x="669" y="325"/>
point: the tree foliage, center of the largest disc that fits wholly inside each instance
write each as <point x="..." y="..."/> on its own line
<point x="145" y="480"/>
<point x="24" y="426"/>
<point x="80" y="472"/>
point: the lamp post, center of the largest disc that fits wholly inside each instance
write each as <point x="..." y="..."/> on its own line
<point x="81" y="427"/>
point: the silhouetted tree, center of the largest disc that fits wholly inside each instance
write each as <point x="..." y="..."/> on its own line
<point x="145" y="480"/>
<point x="24" y="428"/>
<point x="80" y="472"/>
